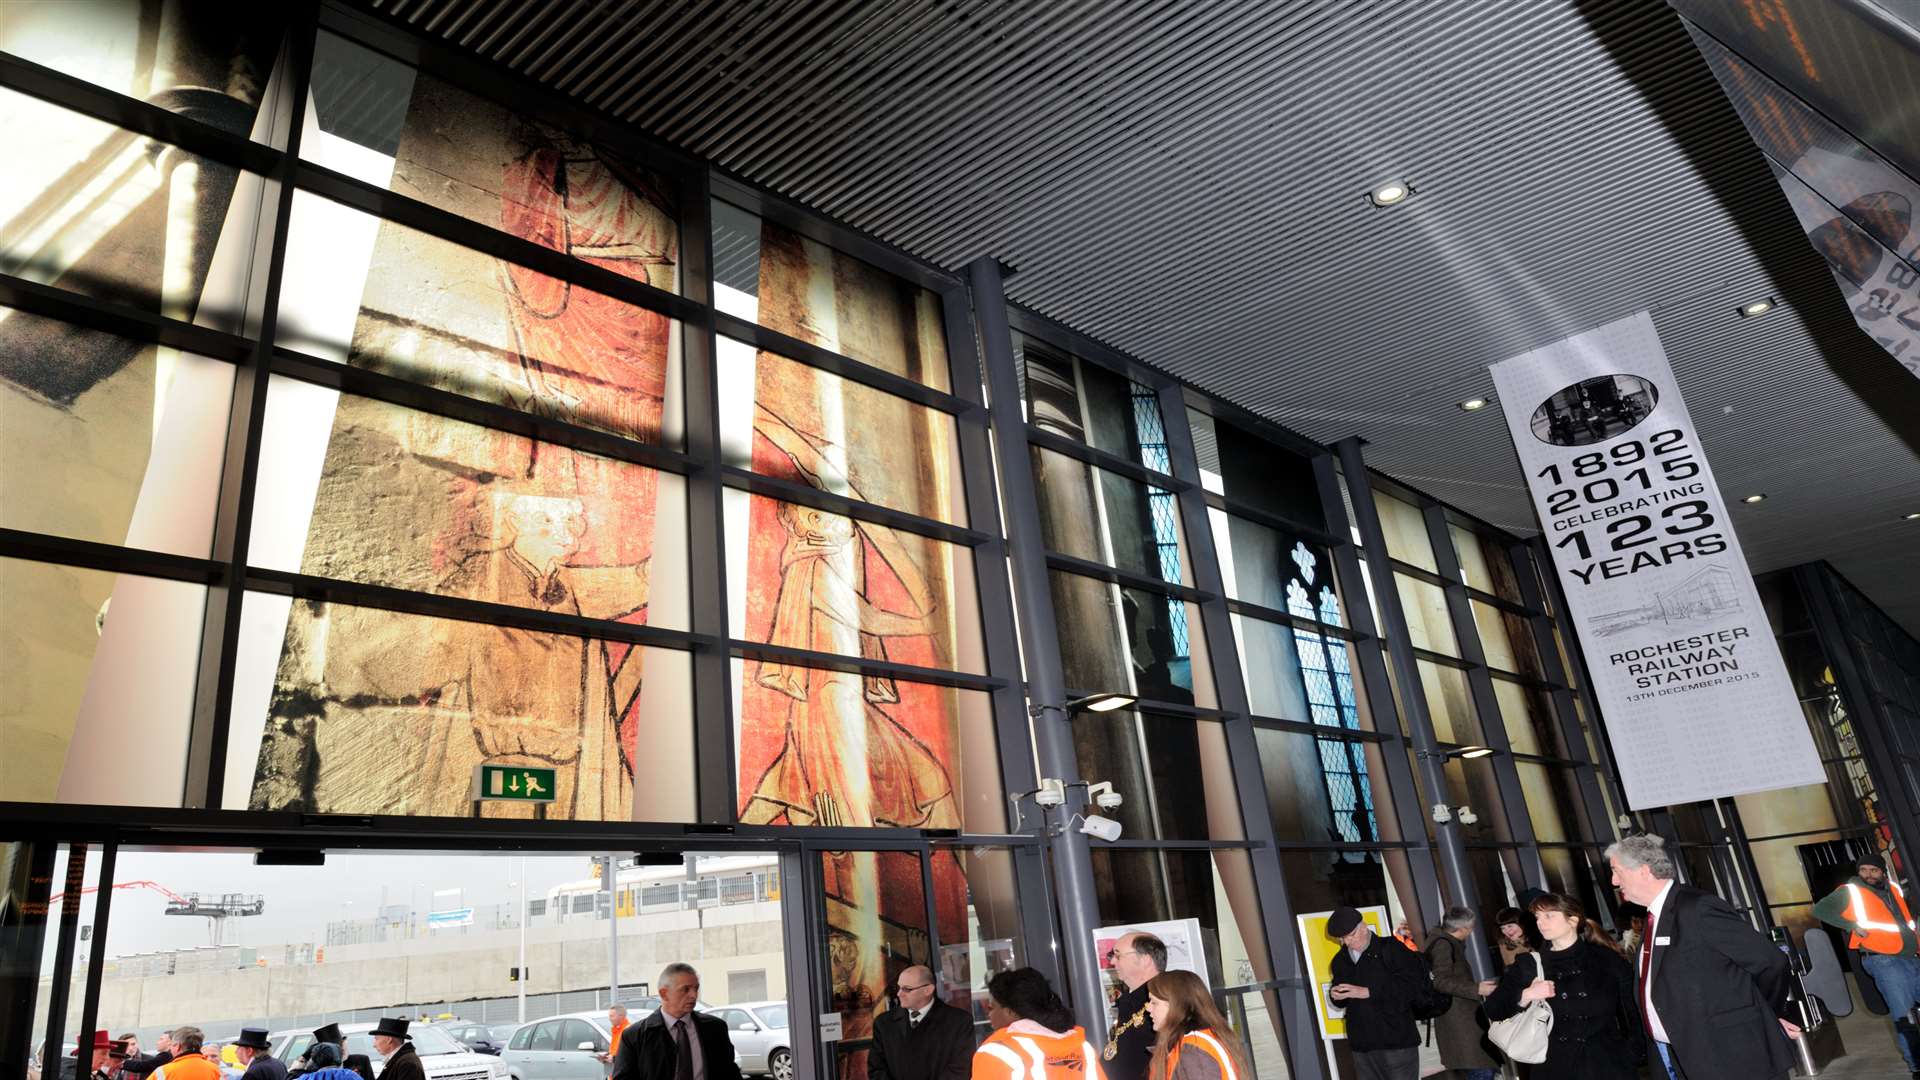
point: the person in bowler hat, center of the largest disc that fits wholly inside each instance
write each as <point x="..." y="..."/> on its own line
<point x="392" y="1041"/>
<point x="251" y="1049"/>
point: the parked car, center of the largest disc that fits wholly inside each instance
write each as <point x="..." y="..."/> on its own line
<point x="569" y="1046"/>
<point x="759" y="1031"/>
<point x="476" y="1037"/>
<point x="442" y="1056"/>
<point x="500" y="1033"/>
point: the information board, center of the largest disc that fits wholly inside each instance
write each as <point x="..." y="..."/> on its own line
<point x="1684" y="665"/>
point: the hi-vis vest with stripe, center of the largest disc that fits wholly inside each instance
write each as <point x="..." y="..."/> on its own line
<point x="1878" y="932"/>
<point x="1202" y="1042"/>
<point x="1010" y="1055"/>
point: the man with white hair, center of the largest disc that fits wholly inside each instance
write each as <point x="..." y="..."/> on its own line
<point x="677" y="1042"/>
<point x="1713" y="991"/>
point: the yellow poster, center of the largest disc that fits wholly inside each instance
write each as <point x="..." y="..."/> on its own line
<point x="1321" y="950"/>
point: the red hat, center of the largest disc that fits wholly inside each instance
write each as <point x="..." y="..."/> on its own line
<point x="101" y="1041"/>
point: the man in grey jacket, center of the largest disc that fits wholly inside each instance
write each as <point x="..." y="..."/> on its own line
<point x="1462" y="1037"/>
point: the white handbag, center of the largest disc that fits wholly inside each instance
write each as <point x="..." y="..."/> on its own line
<point x="1523" y="1036"/>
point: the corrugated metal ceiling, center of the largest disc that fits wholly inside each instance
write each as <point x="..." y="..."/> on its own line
<point x="1185" y="181"/>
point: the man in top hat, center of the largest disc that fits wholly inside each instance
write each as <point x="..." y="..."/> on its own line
<point x="251" y="1048"/>
<point x="1872" y="908"/>
<point x="391" y="1040"/>
<point x="101" y="1053"/>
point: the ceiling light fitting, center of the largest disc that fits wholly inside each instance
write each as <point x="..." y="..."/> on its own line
<point x="1387" y="194"/>
<point x="1756" y="308"/>
<point x="1756" y="497"/>
<point x="1473" y="404"/>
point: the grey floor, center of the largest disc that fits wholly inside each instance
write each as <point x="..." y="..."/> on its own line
<point x="1870" y="1053"/>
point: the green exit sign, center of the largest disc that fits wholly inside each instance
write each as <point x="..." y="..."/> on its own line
<point x="512" y="783"/>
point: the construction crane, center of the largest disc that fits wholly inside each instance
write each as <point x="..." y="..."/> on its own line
<point x="216" y="910"/>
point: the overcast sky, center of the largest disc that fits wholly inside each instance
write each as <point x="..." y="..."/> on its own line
<point x="301" y="900"/>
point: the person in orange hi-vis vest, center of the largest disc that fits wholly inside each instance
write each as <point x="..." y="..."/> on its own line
<point x="1034" y="1036"/>
<point x="1191" y="1037"/>
<point x="1872" y="909"/>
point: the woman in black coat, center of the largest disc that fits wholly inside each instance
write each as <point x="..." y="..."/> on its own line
<point x="1597" y="1031"/>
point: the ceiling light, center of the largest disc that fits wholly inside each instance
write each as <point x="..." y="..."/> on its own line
<point x="1756" y="308"/>
<point x="1474" y="404"/>
<point x="1758" y="497"/>
<point x="1912" y="517"/>
<point x="1389" y="193"/>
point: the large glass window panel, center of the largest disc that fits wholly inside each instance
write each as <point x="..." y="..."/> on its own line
<point x="1319" y="881"/>
<point x="1470" y="783"/>
<point x="1318" y="789"/>
<point x="876" y="905"/>
<point x="140" y="450"/>
<point x="1406" y="530"/>
<point x="380" y="295"/>
<point x="1155" y="762"/>
<point x="362" y="490"/>
<point x="1469" y="549"/>
<point x="1215" y="889"/>
<point x="1549" y="794"/>
<point x="1104" y="517"/>
<point x="211" y="62"/>
<point x="1088" y="403"/>
<point x="782" y="418"/>
<point x="1276" y="568"/>
<point x="1429" y="624"/>
<point x="809" y="579"/>
<point x="72" y="885"/>
<point x="96" y="685"/>
<point x="356" y="710"/>
<point x="383" y="122"/>
<point x="1295" y="674"/>
<point x="773" y="275"/>
<point x="1449" y="704"/>
<point x="1527" y="714"/>
<point x="1130" y="640"/>
<point x="101" y="211"/>
<point x="1253" y="472"/>
<point x="835" y="748"/>
<point x="1507" y="639"/>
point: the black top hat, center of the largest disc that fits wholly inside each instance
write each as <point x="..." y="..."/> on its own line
<point x="252" y="1038"/>
<point x="391" y="1025"/>
<point x="329" y="1034"/>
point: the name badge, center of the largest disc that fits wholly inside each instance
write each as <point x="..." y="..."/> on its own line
<point x="1663" y="941"/>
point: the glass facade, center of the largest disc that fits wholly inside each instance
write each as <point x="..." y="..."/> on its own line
<point x="461" y="437"/>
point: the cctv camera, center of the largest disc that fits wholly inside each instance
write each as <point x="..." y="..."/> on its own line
<point x="1101" y="828"/>
<point x="1467" y="816"/>
<point x="1441" y="813"/>
<point x="1051" y="793"/>
<point x="1103" y="795"/>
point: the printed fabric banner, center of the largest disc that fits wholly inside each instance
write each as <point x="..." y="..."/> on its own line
<point x="1683" y="662"/>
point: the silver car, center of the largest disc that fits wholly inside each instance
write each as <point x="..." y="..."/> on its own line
<point x="759" y="1033"/>
<point x="568" y="1047"/>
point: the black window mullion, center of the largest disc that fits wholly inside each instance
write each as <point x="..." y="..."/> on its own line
<point x="1126" y="579"/>
<point x="220" y="630"/>
<point x="1101" y="459"/>
<point x="814" y="658"/>
<point x="767" y="339"/>
<point x="807" y="495"/>
<point x="111" y="558"/>
<point x="123" y="320"/>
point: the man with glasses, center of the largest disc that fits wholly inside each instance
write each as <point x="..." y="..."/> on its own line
<point x="923" y="1038"/>
<point x="1135" y="959"/>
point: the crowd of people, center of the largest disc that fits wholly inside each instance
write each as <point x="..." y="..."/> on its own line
<point x="1694" y="994"/>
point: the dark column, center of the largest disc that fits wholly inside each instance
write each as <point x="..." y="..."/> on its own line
<point x="1304" y="1058"/>
<point x="1451" y="849"/>
<point x="1033" y="605"/>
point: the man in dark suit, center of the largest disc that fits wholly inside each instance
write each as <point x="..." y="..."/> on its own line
<point x="924" y="1039"/>
<point x="392" y="1040"/>
<point x="676" y="1043"/>
<point x="1713" y="991"/>
<point x="1136" y="958"/>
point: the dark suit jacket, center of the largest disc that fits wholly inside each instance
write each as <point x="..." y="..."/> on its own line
<point x="266" y="1067"/>
<point x="146" y="1063"/>
<point x="941" y="1048"/>
<point x="1720" y="989"/>
<point x="1133" y="1048"/>
<point x="646" y="1050"/>
<point x="404" y="1064"/>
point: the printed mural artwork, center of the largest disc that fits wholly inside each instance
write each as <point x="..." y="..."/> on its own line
<point x="832" y="748"/>
<point x="377" y="712"/>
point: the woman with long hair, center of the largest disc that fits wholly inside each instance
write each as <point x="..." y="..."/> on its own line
<point x="1597" y="1033"/>
<point x="1030" y="1023"/>
<point x="1191" y="1038"/>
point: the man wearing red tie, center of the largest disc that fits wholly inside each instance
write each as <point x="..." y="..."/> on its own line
<point x="1713" y="991"/>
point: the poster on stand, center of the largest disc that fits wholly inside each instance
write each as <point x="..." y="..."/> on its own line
<point x="1684" y="665"/>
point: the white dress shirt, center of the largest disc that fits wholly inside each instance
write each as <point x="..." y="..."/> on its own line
<point x="1660" y="933"/>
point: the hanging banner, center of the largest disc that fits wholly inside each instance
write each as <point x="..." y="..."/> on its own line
<point x="1684" y="664"/>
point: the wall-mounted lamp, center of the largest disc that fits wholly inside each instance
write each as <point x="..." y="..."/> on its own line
<point x="1090" y="703"/>
<point x="1464" y="753"/>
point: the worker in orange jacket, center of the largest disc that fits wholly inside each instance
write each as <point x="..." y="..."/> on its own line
<point x="1872" y="909"/>
<point x="188" y="1062"/>
<point x="1191" y="1038"/>
<point x="1034" y="1036"/>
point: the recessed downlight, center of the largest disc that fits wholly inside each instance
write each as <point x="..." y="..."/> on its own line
<point x="1753" y="309"/>
<point x="1758" y="496"/>
<point x="1389" y="193"/>
<point x="1473" y="404"/>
